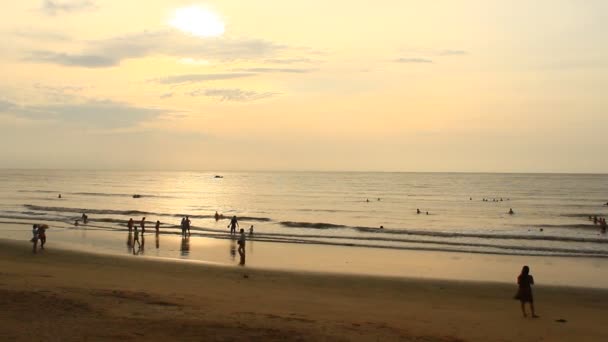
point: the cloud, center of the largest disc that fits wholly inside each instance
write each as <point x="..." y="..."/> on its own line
<point x="288" y="61"/>
<point x="53" y="7"/>
<point x="5" y="106"/>
<point x="90" y="113"/>
<point x="413" y="60"/>
<point x="452" y="53"/>
<point x="40" y="35"/>
<point x="112" y="51"/>
<point x="236" y="95"/>
<point x="166" y="95"/>
<point x="89" y="61"/>
<point x="192" y="78"/>
<point x="276" y="70"/>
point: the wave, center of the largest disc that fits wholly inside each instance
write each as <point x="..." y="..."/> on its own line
<point x="583" y="215"/>
<point x="311" y="225"/>
<point x="101" y="194"/>
<point x="370" y="233"/>
<point x="135" y="213"/>
<point x="441" y="234"/>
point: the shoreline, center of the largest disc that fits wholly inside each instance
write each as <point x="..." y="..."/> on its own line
<point x="330" y="259"/>
<point x="83" y="295"/>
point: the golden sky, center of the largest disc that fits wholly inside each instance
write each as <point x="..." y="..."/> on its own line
<point x="498" y="86"/>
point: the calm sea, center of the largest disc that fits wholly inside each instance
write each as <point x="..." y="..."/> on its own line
<point x="550" y="210"/>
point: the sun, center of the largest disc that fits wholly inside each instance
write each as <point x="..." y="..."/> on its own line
<point x="198" y="21"/>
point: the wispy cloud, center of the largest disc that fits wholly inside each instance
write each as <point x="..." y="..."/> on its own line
<point x="276" y="70"/>
<point x="5" y="106"/>
<point x="89" y="61"/>
<point x="110" y="52"/>
<point x="236" y="95"/>
<point x="452" y="53"/>
<point x="53" y="7"/>
<point x="166" y="95"/>
<point x="192" y="78"/>
<point x="95" y="113"/>
<point x="40" y="35"/>
<point x="288" y="60"/>
<point x="413" y="60"/>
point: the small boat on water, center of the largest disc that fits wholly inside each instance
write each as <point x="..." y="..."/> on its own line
<point x="218" y="176"/>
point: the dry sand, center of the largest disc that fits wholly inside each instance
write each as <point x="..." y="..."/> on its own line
<point x="62" y="295"/>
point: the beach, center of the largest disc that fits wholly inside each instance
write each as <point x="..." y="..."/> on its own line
<point x="71" y="295"/>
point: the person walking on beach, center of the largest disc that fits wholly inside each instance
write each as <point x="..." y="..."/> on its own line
<point x="136" y="237"/>
<point x="130" y="224"/>
<point x="157" y="226"/>
<point x="241" y="243"/>
<point x="42" y="234"/>
<point x="524" y="293"/>
<point x="251" y="230"/>
<point x="234" y="223"/>
<point x="188" y="225"/>
<point x="34" y="239"/>
<point x="143" y="225"/>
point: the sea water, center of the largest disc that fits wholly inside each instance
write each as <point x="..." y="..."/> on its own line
<point x="467" y="212"/>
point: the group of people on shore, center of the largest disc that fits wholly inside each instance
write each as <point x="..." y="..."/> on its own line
<point x="185" y="224"/>
<point x="38" y="234"/>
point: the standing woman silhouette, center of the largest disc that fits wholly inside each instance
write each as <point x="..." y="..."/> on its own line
<point x="524" y="293"/>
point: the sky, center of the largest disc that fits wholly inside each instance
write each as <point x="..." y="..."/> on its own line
<point x="404" y="85"/>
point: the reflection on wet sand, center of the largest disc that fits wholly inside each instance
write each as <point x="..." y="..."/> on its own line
<point x="242" y="255"/>
<point x="130" y="243"/>
<point x="185" y="246"/>
<point x="232" y="248"/>
<point x="140" y="246"/>
<point x="157" y="241"/>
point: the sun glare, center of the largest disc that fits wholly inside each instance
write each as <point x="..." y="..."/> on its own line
<point x="198" y="21"/>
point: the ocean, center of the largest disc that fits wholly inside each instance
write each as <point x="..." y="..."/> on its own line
<point x="467" y="212"/>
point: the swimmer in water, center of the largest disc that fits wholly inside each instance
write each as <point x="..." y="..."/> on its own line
<point x="511" y="212"/>
<point x="417" y="211"/>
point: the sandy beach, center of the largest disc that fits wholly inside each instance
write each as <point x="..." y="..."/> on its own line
<point x="69" y="295"/>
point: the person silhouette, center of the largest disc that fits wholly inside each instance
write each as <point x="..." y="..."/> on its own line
<point x="524" y="292"/>
<point x="234" y="223"/>
<point x="143" y="225"/>
<point x="241" y="243"/>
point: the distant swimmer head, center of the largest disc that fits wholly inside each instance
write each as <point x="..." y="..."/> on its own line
<point x="381" y="227"/>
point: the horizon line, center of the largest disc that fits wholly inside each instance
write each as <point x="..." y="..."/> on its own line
<point x="299" y="171"/>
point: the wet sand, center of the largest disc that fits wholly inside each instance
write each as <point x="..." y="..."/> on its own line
<point x="73" y="296"/>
